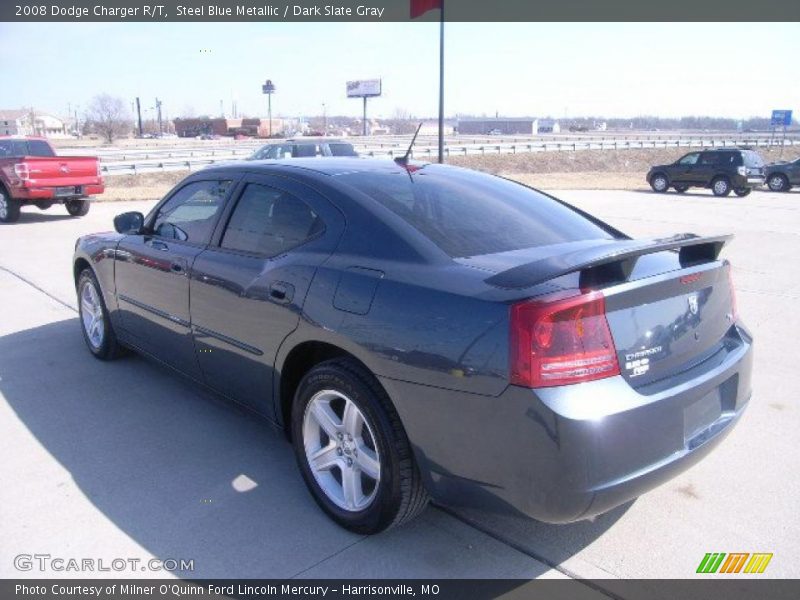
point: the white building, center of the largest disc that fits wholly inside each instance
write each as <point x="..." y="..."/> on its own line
<point x="32" y="122"/>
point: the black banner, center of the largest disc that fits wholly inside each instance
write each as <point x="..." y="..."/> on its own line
<point x="444" y="589"/>
<point x="397" y="10"/>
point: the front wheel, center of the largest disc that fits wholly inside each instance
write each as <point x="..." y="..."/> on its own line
<point x="98" y="333"/>
<point x="352" y="450"/>
<point x="9" y="208"/>
<point x="659" y="183"/>
<point x="721" y="186"/>
<point x="77" y="208"/>
<point x="742" y="192"/>
<point x="778" y="183"/>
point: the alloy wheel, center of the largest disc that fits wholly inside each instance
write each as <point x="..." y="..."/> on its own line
<point x="341" y="450"/>
<point x="92" y="315"/>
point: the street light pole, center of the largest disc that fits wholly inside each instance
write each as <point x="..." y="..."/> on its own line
<point x="269" y="88"/>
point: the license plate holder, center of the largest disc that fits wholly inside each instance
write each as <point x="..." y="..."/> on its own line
<point x="69" y="190"/>
<point x="701" y="414"/>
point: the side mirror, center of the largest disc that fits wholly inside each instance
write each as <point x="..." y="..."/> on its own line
<point x="129" y="223"/>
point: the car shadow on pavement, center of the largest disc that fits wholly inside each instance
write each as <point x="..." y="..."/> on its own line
<point x="189" y="476"/>
<point x="35" y="216"/>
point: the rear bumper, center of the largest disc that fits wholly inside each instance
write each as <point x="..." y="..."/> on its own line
<point x="49" y="193"/>
<point x="565" y="454"/>
<point x="747" y="181"/>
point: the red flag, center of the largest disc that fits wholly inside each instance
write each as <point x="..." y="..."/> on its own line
<point x="420" y="7"/>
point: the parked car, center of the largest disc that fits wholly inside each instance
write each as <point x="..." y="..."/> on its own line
<point x="781" y="176"/>
<point x="304" y="148"/>
<point x="426" y="331"/>
<point x="721" y="170"/>
<point x="495" y="132"/>
<point x="32" y="174"/>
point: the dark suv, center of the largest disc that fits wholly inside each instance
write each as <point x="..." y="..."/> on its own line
<point x="721" y="170"/>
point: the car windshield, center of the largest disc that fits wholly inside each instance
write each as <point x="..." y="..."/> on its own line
<point x="469" y="214"/>
<point x="342" y="150"/>
<point x="25" y="148"/>
<point x="752" y="159"/>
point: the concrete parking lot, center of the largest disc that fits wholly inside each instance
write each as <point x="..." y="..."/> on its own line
<point x="126" y="460"/>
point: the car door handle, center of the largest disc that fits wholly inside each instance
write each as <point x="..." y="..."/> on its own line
<point x="156" y="245"/>
<point x="178" y="266"/>
<point x="281" y="292"/>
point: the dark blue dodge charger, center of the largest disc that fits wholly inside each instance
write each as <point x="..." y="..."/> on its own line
<point x="423" y="332"/>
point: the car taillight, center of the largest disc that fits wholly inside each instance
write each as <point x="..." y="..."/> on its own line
<point x="559" y="341"/>
<point x="734" y="308"/>
<point x="23" y="171"/>
<point x="742" y="170"/>
<point x="99" y="171"/>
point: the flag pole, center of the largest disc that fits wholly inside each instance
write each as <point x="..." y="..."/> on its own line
<point x="441" y="84"/>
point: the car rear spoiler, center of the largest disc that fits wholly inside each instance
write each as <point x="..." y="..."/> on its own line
<point x="610" y="263"/>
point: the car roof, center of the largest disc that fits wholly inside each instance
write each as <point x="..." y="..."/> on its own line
<point x="332" y="166"/>
<point x="316" y="140"/>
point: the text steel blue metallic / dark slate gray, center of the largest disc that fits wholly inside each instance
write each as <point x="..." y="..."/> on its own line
<point x="427" y="331"/>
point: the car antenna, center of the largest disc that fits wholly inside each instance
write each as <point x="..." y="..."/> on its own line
<point x="403" y="160"/>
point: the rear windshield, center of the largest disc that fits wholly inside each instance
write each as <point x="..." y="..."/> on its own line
<point x="752" y="159"/>
<point x="24" y="148"/>
<point x="467" y="213"/>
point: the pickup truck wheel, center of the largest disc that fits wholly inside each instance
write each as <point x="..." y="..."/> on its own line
<point x="9" y="208"/>
<point x="659" y="183"/>
<point x="77" y="208"/>
<point x="681" y="188"/>
<point x="778" y="183"/>
<point x="721" y="186"/>
<point x="43" y="204"/>
<point x="352" y="450"/>
<point x="98" y="333"/>
<point x="742" y="192"/>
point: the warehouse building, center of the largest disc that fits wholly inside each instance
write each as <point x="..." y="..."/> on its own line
<point x="507" y="126"/>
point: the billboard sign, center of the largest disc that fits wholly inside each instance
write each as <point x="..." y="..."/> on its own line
<point x="781" y="118"/>
<point x="363" y="87"/>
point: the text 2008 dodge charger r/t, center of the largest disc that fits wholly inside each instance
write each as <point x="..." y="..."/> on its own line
<point x="424" y="331"/>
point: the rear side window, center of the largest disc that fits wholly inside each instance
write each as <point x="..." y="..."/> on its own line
<point x="468" y="214"/>
<point x="191" y="213"/>
<point x="268" y="222"/>
<point x="307" y="150"/>
<point x="710" y="158"/>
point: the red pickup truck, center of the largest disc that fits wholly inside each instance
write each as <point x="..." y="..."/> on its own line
<point x="31" y="173"/>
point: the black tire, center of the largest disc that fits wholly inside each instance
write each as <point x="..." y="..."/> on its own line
<point x="778" y="182"/>
<point x="681" y="188"/>
<point x="399" y="496"/>
<point x="742" y="192"/>
<point x="659" y="182"/>
<point x="43" y="204"/>
<point x="721" y="186"/>
<point x="9" y="208"/>
<point x="110" y="348"/>
<point x="77" y="208"/>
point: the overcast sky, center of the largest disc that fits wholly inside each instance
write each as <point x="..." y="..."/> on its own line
<point x="541" y="69"/>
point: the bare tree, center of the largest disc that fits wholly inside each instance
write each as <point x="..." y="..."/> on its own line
<point x="109" y="116"/>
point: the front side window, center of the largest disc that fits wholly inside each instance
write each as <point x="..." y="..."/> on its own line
<point x="268" y="222"/>
<point x="689" y="159"/>
<point x="190" y="214"/>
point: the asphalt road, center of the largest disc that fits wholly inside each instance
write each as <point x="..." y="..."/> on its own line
<point x="125" y="460"/>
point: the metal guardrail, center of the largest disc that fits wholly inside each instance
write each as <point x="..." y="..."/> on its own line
<point x="191" y="162"/>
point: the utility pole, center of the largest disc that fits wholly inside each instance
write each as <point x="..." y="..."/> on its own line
<point x="139" y="116"/>
<point x="364" y="132"/>
<point x="324" y="121"/>
<point x="269" y="88"/>
<point x="158" y="109"/>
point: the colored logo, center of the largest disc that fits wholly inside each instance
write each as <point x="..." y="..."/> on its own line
<point x="734" y="562"/>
